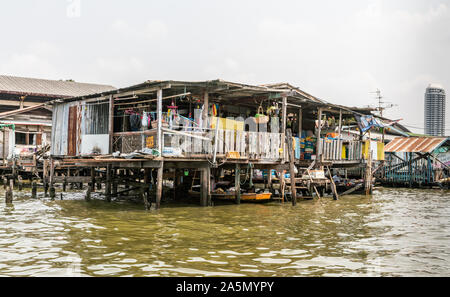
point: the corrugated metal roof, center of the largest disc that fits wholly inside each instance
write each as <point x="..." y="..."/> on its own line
<point x="49" y="88"/>
<point x="414" y="144"/>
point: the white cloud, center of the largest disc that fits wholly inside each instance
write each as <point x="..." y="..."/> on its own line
<point x="156" y="29"/>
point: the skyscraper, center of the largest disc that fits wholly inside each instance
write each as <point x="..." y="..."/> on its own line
<point x="435" y="110"/>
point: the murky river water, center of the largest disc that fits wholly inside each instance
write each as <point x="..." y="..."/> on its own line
<point x="396" y="232"/>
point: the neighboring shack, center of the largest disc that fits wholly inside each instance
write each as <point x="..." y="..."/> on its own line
<point x="25" y="113"/>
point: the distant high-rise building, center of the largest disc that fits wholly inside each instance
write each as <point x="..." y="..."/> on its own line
<point x="435" y="110"/>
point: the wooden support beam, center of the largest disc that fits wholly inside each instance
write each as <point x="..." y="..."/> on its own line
<point x="348" y="192"/>
<point x="108" y="183"/>
<point x="204" y="187"/>
<point x="8" y="195"/>
<point x="368" y="175"/>
<point x="111" y="124"/>
<point x="237" y="181"/>
<point x="148" y="101"/>
<point x="159" y="115"/>
<point x="340" y="124"/>
<point x="147" y="203"/>
<point x="300" y="122"/>
<point x="333" y="185"/>
<point x="52" y="179"/>
<point x="319" y="130"/>
<point x="4" y="146"/>
<point x="205" y="109"/>
<point x="283" y="127"/>
<point x="291" y="166"/>
<point x="159" y="185"/>
<point x="33" y="189"/>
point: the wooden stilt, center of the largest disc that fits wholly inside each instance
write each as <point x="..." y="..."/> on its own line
<point x="52" y="193"/>
<point x="108" y="183"/>
<point x="114" y="183"/>
<point x="11" y="184"/>
<point x="8" y="195"/>
<point x="65" y="183"/>
<point x="159" y="185"/>
<point x="237" y="182"/>
<point x="45" y="177"/>
<point x="92" y="184"/>
<point x="282" y="185"/>
<point x="52" y="179"/>
<point x="33" y="189"/>
<point x="269" y="179"/>
<point x="368" y="175"/>
<point x="291" y="166"/>
<point x="20" y="182"/>
<point x="204" y="188"/>
<point x="147" y="184"/>
<point x="333" y="185"/>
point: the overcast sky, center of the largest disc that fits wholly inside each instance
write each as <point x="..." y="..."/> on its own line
<point x="339" y="51"/>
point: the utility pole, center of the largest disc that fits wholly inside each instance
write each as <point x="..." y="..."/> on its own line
<point x="382" y="105"/>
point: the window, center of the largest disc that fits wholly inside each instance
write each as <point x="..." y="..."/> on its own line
<point x="21" y="138"/>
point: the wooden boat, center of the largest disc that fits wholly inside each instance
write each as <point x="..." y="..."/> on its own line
<point x="247" y="197"/>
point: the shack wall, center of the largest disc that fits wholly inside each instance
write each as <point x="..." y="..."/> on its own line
<point x="91" y="130"/>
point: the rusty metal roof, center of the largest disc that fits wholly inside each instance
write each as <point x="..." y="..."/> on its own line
<point x="414" y="144"/>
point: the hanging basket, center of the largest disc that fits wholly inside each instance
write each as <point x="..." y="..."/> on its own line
<point x="260" y="117"/>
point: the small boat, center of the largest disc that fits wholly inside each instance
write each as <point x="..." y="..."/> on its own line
<point x="247" y="197"/>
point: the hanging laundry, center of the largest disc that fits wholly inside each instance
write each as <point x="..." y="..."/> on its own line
<point x="215" y="109"/>
<point x="144" y="119"/>
<point x="135" y="122"/>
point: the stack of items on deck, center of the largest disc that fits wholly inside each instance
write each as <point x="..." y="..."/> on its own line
<point x="309" y="148"/>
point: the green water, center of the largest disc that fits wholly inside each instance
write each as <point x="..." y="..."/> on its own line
<point x="396" y="232"/>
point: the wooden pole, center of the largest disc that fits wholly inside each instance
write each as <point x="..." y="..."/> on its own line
<point x="92" y="178"/>
<point x="340" y="124"/>
<point x="283" y="127"/>
<point x="237" y="182"/>
<point x="204" y="187"/>
<point x="147" y="203"/>
<point x="65" y="183"/>
<point x="205" y="109"/>
<point x="300" y="122"/>
<point x="159" y="115"/>
<point x="209" y="199"/>
<point x="108" y="183"/>
<point x="333" y="185"/>
<point x="8" y="196"/>
<point x="291" y="166"/>
<point x="4" y="146"/>
<point x="159" y="185"/>
<point x="33" y="189"/>
<point x="52" y="179"/>
<point x="368" y="175"/>
<point x="20" y="182"/>
<point x="319" y="130"/>
<point x="111" y="124"/>
<point x="282" y="185"/>
<point x="88" y="192"/>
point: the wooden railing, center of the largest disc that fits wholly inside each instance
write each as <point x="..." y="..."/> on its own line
<point x="332" y="150"/>
<point x="253" y="145"/>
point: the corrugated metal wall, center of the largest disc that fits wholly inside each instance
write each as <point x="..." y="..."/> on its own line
<point x="94" y="121"/>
